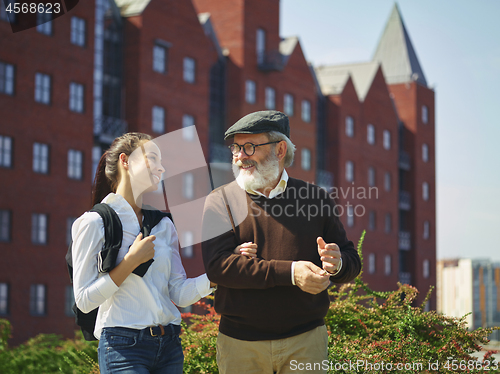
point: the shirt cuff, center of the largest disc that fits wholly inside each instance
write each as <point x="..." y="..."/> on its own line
<point x="293" y="272"/>
<point x="203" y="285"/>
<point x="106" y="286"/>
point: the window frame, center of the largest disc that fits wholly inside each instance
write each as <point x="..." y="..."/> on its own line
<point x="349" y="171"/>
<point x="76" y="97"/>
<point x="260" y="45"/>
<point x="370" y="134"/>
<point x="306" y="159"/>
<point x="41" y="159"/>
<point x="288" y="104"/>
<point x="386" y="139"/>
<point x="269" y="93"/>
<point x="188" y="127"/>
<point x="250" y="91"/>
<point x="38" y="300"/>
<point x="160" y="63"/>
<point x="6" y="152"/>
<point x="75" y="164"/>
<point x="349" y="126"/>
<point x="43" y="24"/>
<point x="189" y="70"/>
<point x="78" y="33"/>
<point x="5" y="225"/>
<point x="4" y="299"/>
<point x="306" y="111"/>
<point x="42" y="92"/>
<point x="39" y="232"/>
<point x="187" y="251"/>
<point x="158" y="119"/>
<point x="7" y="78"/>
<point x="425" y="152"/>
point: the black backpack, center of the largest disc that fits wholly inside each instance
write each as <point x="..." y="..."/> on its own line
<point x="113" y="234"/>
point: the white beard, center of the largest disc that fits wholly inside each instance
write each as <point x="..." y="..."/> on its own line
<point x="264" y="175"/>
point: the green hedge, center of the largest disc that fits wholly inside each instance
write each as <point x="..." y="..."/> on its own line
<point x="370" y="332"/>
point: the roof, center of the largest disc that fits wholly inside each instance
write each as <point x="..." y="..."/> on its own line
<point x="206" y="22"/>
<point x="130" y="8"/>
<point x="332" y="79"/>
<point x="287" y="46"/>
<point x="396" y="53"/>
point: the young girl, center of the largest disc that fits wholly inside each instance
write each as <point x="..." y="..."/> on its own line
<point x="138" y="323"/>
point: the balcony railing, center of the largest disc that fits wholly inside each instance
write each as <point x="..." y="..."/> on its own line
<point x="404" y="240"/>
<point x="270" y="61"/>
<point x="404" y="200"/>
<point x="404" y="160"/>
<point x="108" y="128"/>
<point x="324" y="179"/>
<point x="405" y="278"/>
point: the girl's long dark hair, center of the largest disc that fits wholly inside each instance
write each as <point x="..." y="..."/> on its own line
<point x="107" y="175"/>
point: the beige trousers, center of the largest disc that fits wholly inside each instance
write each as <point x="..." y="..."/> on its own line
<point x="304" y="353"/>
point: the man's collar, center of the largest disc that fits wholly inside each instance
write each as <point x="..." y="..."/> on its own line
<point x="279" y="189"/>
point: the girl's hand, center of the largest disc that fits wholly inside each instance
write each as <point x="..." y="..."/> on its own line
<point x="141" y="250"/>
<point x="248" y="249"/>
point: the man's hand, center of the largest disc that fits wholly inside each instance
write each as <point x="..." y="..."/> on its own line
<point x="310" y="278"/>
<point x="330" y="255"/>
<point x="248" y="249"/>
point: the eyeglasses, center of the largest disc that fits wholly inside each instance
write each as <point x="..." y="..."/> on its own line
<point x="248" y="148"/>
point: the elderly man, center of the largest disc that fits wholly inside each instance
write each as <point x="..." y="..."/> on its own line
<point x="273" y="301"/>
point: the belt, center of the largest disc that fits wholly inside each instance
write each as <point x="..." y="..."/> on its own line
<point x="161" y="330"/>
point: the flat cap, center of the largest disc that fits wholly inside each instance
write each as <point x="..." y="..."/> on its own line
<point x="259" y="122"/>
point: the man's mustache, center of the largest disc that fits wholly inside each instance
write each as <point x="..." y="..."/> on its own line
<point x="240" y="163"/>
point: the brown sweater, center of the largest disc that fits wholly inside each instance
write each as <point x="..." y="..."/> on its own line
<point x="255" y="297"/>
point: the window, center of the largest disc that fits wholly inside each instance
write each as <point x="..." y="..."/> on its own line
<point x="260" y="46"/>
<point x="78" y="31"/>
<point x="188" y="190"/>
<point x="41" y="158"/>
<point x="425" y="114"/>
<point x="426" y="234"/>
<point x="250" y="92"/>
<point x="387" y="265"/>
<point x="350" y="216"/>
<point x="349" y="126"/>
<point x="75" y="164"/>
<point x="349" y="171"/>
<point x="187" y="250"/>
<point x="44" y="22"/>
<point x="426" y="269"/>
<point x="387" y="181"/>
<point x="370" y="134"/>
<point x="371" y="263"/>
<point x="160" y="59"/>
<point x="39" y="228"/>
<point x="42" y="88"/>
<point x="188" y="127"/>
<point x="158" y="124"/>
<point x="189" y="73"/>
<point x="5" y="151"/>
<point x="69" y="301"/>
<point x="288" y="104"/>
<point x="306" y="159"/>
<point x="270" y="98"/>
<point x="371" y="176"/>
<point x="5" y="223"/>
<point x="425" y="153"/>
<point x="76" y="97"/>
<point x="425" y="191"/>
<point x="306" y="111"/>
<point x="371" y="220"/>
<point x="69" y="225"/>
<point x="4" y="298"/>
<point x="388" y="223"/>
<point x="387" y="139"/>
<point x="38" y="300"/>
<point x="6" y="78"/>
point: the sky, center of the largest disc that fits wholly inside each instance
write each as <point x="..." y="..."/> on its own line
<point x="458" y="45"/>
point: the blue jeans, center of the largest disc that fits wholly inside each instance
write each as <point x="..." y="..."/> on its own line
<point x="131" y="351"/>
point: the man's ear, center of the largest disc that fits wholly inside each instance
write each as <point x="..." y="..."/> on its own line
<point x="281" y="148"/>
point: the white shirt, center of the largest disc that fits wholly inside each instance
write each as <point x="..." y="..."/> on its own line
<point x="138" y="302"/>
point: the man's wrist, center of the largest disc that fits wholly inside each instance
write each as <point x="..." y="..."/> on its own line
<point x="293" y="272"/>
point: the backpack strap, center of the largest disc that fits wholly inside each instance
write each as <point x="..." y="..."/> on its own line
<point x="113" y="235"/>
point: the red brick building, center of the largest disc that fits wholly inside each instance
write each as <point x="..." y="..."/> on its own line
<point x="380" y="124"/>
<point x="70" y="86"/>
